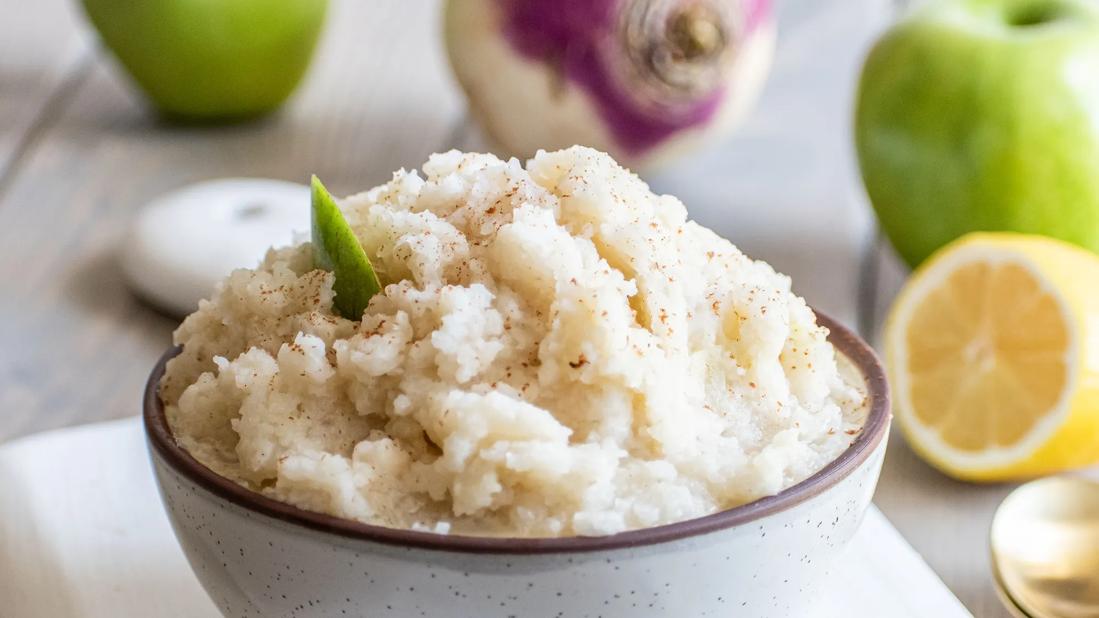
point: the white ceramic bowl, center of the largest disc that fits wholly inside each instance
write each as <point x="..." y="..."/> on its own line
<point x="259" y="557"/>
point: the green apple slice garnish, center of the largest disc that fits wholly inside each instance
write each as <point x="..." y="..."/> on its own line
<point x="337" y="250"/>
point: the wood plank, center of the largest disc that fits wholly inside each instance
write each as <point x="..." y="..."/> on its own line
<point x="77" y="345"/>
<point x="43" y="46"/>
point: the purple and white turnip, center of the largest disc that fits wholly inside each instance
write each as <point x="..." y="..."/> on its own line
<point x="640" y="79"/>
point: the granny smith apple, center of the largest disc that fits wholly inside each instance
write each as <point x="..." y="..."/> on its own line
<point x="202" y="60"/>
<point x="337" y="250"/>
<point x="983" y="115"/>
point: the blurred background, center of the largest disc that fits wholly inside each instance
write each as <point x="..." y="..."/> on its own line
<point x="82" y="151"/>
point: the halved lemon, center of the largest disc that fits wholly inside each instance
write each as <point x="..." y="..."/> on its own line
<point x="992" y="348"/>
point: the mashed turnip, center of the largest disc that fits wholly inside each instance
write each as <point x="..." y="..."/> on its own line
<point x="557" y="351"/>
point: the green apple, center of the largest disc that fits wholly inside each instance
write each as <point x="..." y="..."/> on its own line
<point x="337" y="250"/>
<point x="983" y="115"/>
<point x="211" y="60"/>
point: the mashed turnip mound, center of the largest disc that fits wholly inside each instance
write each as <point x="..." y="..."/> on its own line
<point x="557" y="351"/>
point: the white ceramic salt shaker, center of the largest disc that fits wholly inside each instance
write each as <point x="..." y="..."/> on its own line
<point x="182" y="243"/>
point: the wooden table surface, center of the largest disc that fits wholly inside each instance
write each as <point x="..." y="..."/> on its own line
<point x="79" y="154"/>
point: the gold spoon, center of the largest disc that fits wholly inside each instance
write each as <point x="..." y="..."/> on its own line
<point x="1045" y="549"/>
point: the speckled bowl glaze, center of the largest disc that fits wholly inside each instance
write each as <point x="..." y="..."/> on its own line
<point x="259" y="557"/>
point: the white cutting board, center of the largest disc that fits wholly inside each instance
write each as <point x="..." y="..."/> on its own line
<point x="83" y="535"/>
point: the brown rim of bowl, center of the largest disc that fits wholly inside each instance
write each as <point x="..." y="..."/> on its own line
<point x="849" y="344"/>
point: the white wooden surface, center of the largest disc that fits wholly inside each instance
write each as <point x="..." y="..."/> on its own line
<point x="79" y="154"/>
